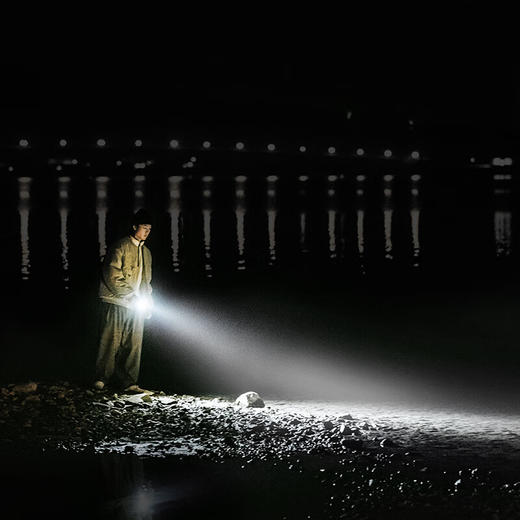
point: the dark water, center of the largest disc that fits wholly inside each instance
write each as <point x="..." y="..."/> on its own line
<point x="421" y="265"/>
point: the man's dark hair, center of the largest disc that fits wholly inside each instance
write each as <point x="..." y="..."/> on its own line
<point x="142" y="216"/>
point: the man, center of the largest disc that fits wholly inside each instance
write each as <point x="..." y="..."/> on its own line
<point x="125" y="294"/>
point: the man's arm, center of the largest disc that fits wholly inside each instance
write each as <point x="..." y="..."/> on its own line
<point x="113" y="274"/>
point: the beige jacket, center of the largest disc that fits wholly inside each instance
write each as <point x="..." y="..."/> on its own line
<point x="122" y="270"/>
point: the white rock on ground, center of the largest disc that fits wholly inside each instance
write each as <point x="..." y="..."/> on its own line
<point x="249" y="400"/>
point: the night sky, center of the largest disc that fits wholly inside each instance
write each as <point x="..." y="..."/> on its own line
<point x="451" y="71"/>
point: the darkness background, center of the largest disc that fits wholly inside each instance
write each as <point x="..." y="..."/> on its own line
<point x="451" y="68"/>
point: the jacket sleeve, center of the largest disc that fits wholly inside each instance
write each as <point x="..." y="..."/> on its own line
<point x="147" y="275"/>
<point x="112" y="273"/>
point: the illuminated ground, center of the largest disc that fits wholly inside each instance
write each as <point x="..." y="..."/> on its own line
<point x="349" y="460"/>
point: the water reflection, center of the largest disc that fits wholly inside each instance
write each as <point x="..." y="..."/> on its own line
<point x="309" y="206"/>
<point x="388" y="211"/>
<point x="415" y="210"/>
<point x="240" y="213"/>
<point x="207" y="193"/>
<point x="139" y="187"/>
<point x="332" y="212"/>
<point x="129" y="497"/>
<point x="101" y="212"/>
<point x="174" y="210"/>
<point x="360" y="219"/>
<point x="302" y="192"/>
<point x="63" y="192"/>
<point x="502" y="215"/>
<point x="24" y="207"/>
<point x="271" y="216"/>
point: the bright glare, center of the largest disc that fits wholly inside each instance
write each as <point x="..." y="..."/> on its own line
<point x="247" y="353"/>
<point x="142" y="304"/>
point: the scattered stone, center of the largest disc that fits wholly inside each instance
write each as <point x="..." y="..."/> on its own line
<point x="387" y="443"/>
<point x="26" y="388"/>
<point x="249" y="400"/>
<point x="328" y="425"/>
<point x="345" y="430"/>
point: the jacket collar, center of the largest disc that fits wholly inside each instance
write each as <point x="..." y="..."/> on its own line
<point x="136" y="242"/>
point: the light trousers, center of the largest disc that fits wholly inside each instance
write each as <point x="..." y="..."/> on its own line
<point x="121" y="337"/>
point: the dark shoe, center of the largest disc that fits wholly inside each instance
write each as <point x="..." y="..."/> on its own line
<point x="136" y="389"/>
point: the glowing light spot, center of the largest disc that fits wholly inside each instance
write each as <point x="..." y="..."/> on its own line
<point x="388" y="178"/>
<point x="472" y="159"/>
<point x="331" y="150"/>
<point x="118" y="163"/>
<point x="360" y="178"/>
<point x="331" y="193"/>
<point x="63" y="143"/>
<point x="332" y="178"/>
<point x="24" y="143"/>
<point x="206" y="145"/>
<point x="239" y="145"/>
<point x="207" y="178"/>
<point x="508" y="161"/>
<point x="360" y="152"/>
<point x="303" y="178"/>
<point x="101" y="143"/>
<point x="416" y="177"/>
<point x="271" y="147"/>
<point x="387" y="153"/>
<point x="74" y="161"/>
<point x="193" y="159"/>
<point x="303" y="149"/>
<point x="272" y="178"/>
<point x="415" y="154"/>
<point x="240" y="178"/>
<point x="138" y="143"/>
<point x="360" y="192"/>
<point x="174" y="143"/>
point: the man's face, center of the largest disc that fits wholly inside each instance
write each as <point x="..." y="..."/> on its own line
<point x="142" y="231"/>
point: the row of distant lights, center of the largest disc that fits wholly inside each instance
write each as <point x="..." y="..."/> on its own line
<point x="360" y="152"/>
<point x="174" y="143"/>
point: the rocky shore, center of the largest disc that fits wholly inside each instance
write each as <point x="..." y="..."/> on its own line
<point x="363" y="468"/>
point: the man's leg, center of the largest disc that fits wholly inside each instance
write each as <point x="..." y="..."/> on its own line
<point x="129" y="359"/>
<point x="109" y="340"/>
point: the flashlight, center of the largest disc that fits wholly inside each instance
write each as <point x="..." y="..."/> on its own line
<point x="143" y="305"/>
